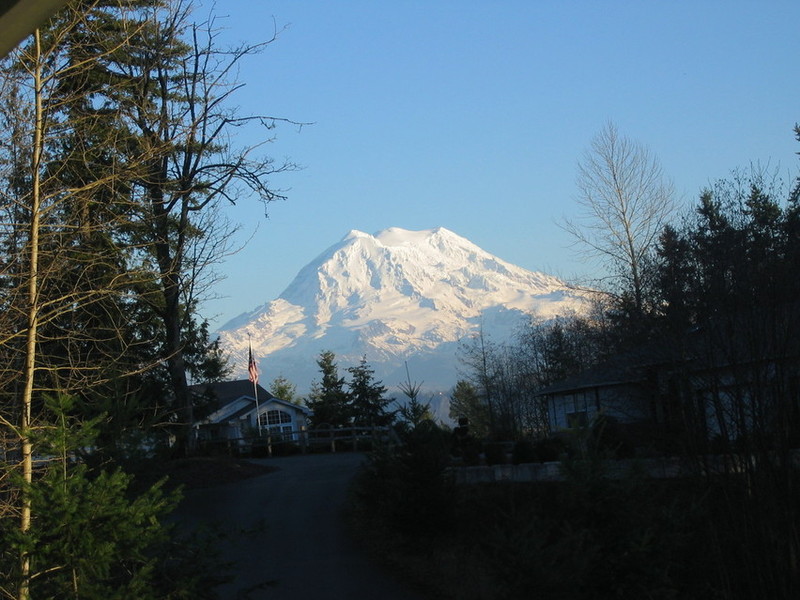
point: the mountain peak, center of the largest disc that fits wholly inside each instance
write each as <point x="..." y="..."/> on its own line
<point x="396" y="296"/>
<point x="396" y="236"/>
<point x="355" y="234"/>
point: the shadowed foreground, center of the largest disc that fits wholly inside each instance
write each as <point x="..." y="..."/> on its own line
<point x="285" y="535"/>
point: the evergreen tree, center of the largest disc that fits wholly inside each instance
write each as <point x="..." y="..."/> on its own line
<point x="328" y="400"/>
<point x="368" y="400"/>
<point x="411" y="412"/>
<point x="102" y="323"/>
<point x="175" y="108"/>
<point x="465" y="403"/>
<point x="730" y="298"/>
<point x="92" y="538"/>
<point x="284" y="389"/>
<point x="60" y="265"/>
<point x="97" y="334"/>
<point x="205" y="360"/>
<point x="139" y="130"/>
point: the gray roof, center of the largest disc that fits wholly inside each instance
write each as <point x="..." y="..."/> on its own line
<point x="623" y="369"/>
<point x="225" y="392"/>
<point x="606" y="375"/>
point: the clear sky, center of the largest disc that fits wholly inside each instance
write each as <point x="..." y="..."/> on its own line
<point x="472" y="115"/>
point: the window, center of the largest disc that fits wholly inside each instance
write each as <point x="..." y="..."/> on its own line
<point x="274" y="417"/>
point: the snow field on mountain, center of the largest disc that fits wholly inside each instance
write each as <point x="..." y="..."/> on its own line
<point x="396" y="297"/>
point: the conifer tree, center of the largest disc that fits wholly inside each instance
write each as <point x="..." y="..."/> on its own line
<point x="328" y="399"/>
<point x="142" y="93"/>
<point x="368" y="401"/>
<point x="730" y="298"/>
<point x="465" y="404"/>
<point x="51" y="273"/>
<point x="284" y="389"/>
<point x="87" y="539"/>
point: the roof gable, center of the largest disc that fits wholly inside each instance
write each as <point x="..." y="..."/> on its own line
<point x="224" y="394"/>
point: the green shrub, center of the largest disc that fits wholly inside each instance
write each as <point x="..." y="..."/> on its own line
<point x="406" y="487"/>
<point x="730" y="536"/>
<point x="94" y="534"/>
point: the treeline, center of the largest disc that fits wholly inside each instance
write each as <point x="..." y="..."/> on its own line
<point x="711" y="301"/>
<point x="115" y="156"/>
<point x="499" y="393"/>
<point x="716" y="318"/>
<point x="360" y="400"/>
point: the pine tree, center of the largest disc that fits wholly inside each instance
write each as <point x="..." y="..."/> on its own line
<point x="328" y="400"/>
<point x="50" y="273"/>
<point x="79" y="287"/>
<point x="465" y="403"/>
<point x="284" y="389"/>
<point x="93" y="537"/>
<point x="368" y="401"/>
<point x="143" y="145"/>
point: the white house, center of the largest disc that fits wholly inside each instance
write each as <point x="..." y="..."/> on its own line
<point x="233" y="412"/>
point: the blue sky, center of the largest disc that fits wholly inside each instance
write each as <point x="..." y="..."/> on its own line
<point x="472" y="115"/>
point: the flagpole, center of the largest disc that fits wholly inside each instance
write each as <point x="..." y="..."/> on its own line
<point x="252" y="369"/>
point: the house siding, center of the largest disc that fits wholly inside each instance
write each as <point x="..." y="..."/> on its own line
<point x="623" y="403"/>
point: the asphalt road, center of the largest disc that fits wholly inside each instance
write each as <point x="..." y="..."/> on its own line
<point x="285" y="534"/>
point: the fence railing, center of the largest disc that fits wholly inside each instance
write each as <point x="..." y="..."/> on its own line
<point x="306" y="440"/>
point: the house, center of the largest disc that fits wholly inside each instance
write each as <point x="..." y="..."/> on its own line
<point x="643" y="397"/>
<point x="234" y="414"/>
<point x="701" y="390"/>
<point x="623" y="389"/>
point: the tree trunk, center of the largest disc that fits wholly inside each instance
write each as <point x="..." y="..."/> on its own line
<point x="169" y="261"/>
<point x="32" y="324"/>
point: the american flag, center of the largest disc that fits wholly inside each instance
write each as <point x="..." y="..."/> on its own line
<point x="252" y="367"/>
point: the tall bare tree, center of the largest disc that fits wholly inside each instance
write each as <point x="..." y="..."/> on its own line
<point x="176" y="107"/>
<point x="624" y="201"/>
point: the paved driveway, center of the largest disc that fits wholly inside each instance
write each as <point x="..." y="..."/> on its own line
<point x="285" y="534"/>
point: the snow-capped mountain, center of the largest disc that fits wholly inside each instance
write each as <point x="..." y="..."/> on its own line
<point x="399" y="297"/>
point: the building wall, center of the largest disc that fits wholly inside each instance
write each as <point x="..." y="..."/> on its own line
<point x="288" y="422"/>
<point x="224" y="424"/>
<point x="624" y="403"/>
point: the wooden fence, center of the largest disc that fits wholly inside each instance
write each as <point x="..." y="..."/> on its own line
<point x="307" y="440"/>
